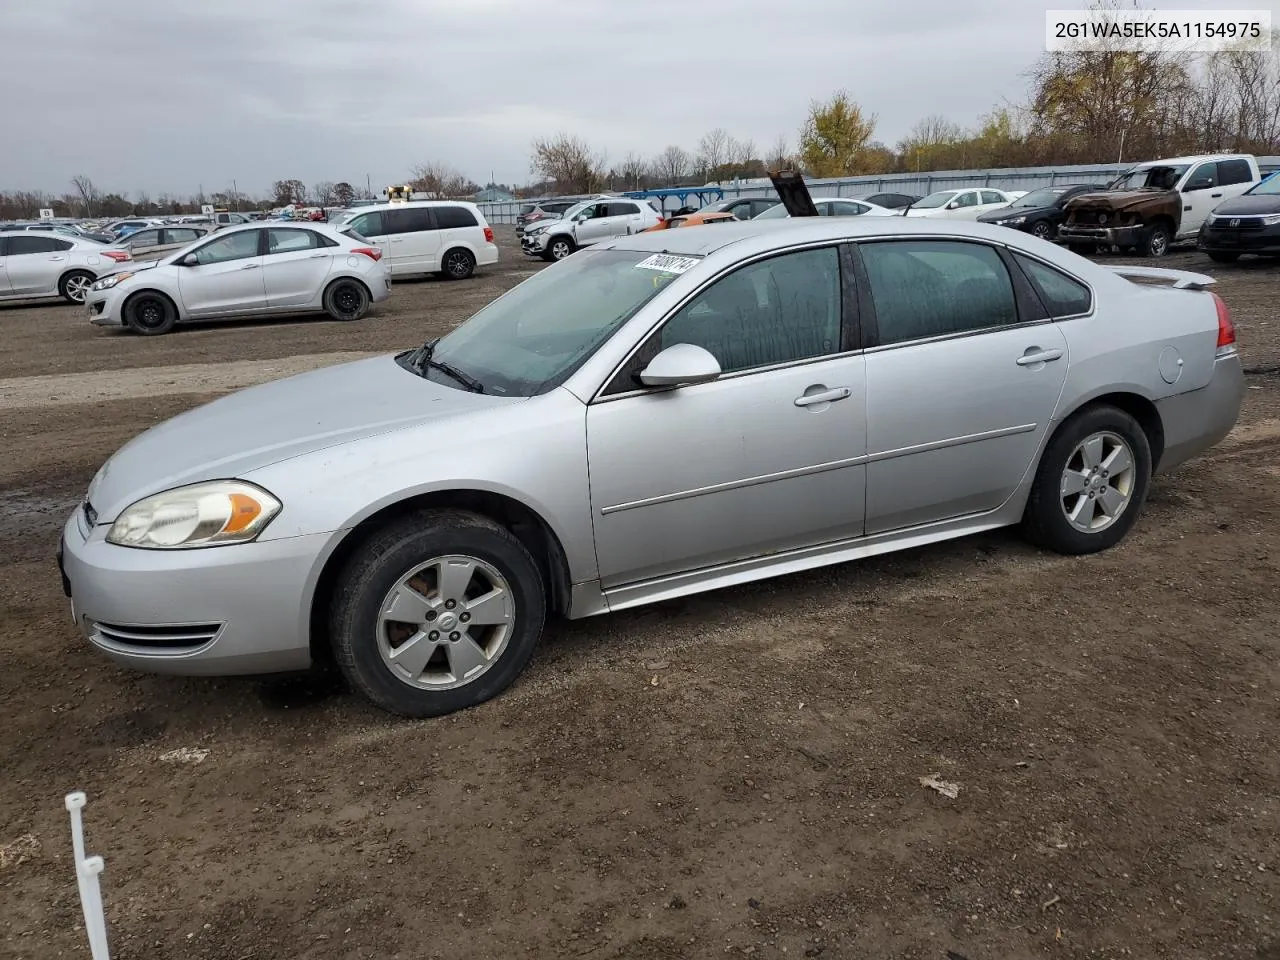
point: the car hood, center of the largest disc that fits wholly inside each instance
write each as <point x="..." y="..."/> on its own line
<point x="1249" y="205"/>
<point x="1118" y="199"/>
<point x="261" y="425"/>
<point x="1006" y="213"/>
<point x="132" y="266"/>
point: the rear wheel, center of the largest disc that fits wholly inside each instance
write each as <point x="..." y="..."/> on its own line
<point x="346" y="300"/>
<point x="74" y="287"/>
<point x="458" y="264"/>
<point x="1218" y="256"/>
<point x="438" y="612"/>
<point x="1091" y="482"/>
<point x="150" y="314"/>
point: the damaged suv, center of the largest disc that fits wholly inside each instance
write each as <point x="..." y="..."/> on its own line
<point x="1156" y="204"/>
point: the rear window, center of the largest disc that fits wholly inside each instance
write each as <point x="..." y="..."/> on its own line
<point x="354" y="235"/>
<point x="451" y="217"/>
<point x="1062" y="296"/>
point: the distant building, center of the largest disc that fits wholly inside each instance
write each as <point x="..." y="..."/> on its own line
<point x="493" y="194"/>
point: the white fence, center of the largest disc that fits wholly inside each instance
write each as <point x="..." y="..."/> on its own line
<point x="920" y="184"/>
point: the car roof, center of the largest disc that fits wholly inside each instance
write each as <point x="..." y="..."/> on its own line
<point x="51" y="234"/>
<point x="1198" y="158"/>
<point x="795" y="230"/>
<point x="389" y="205"/>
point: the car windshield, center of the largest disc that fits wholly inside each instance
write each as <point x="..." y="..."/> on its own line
<point x="1271" y="185"/>
<point x="716" y="207"/>
<point x="532" y="338"/>
<point x="1039" y="198"/>
<point x="1163" y="177"/>
<point x="940" y="199"/>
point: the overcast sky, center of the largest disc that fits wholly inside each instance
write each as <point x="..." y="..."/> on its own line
<point x="169" y="95"/>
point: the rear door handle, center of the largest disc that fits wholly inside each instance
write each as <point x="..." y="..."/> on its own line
<point x="57" y="258"/>
<point x="1040" y="356"/>
<point x="250" y="266"/>
<point x="1215" y="194"/>
<point x="318" y="256"/>
<point x="826" y="396"/>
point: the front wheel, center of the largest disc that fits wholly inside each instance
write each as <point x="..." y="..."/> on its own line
<point x="1155" y="241"/>
<point x="437" y="612"/>
<point x="346" y="300"/>
<point x="1043" y="229"/>
<point x="150" y="314"/>
<point x="74" y="287"/>
<point x="1091" y="482"/>
<point x="559" y="248"/>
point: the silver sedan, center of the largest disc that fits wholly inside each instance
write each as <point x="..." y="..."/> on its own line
<point x="35" y="264"/>
<point x="663" y="414"/>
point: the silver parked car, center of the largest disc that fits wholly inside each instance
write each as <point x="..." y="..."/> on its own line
<point x="246" y="271"/>
<point x="662" y="414"/>
<point x="35" y="264"/>
<point x="152" y="242"/>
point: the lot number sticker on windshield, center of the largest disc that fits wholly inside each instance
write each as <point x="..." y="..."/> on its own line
<point x="666" y="263"/>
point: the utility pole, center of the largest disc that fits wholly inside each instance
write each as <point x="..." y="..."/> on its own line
<point x="235" y="196"/>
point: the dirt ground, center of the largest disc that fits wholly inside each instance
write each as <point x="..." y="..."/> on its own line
<point x="736" y="773"/>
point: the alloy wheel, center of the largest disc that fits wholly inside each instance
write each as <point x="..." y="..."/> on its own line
<point x="1098" y="482"/>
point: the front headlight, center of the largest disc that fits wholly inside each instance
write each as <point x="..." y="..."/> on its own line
<point x="1014" y="221"/>
<point x="1271" y="219"/>
<point x="106" y="283"/>
<point x="209" y="514"/>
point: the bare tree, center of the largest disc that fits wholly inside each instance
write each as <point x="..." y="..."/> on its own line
<point x="779" y="156"/>
<point x="440" y="179"/>
<point x="569" y="162"/>
<point x="671" y="166"/>
<point x="714" y="151"/>
<point x="322" y="192"/>
<point x="88" y="194"/>
<point x="633" y="170"/>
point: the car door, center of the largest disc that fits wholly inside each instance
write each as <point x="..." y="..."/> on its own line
<point x="5" y="287"/>
<point x="35" y="264"/>
<point x="226" y="277"/>
<point x="415" y="240"/>
<point x="964" y="372"/>
<point x="1200" y="194"/>
<point x="458" y="227"/>
<point x="967" y="206"/>
<point x="593" y="225"/>
<point x="991" y="200"/>
<point x="296" y="265"/>
<point x="768" y="457"/>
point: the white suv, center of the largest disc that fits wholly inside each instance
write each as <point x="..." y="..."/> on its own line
<point x="448" y="237"/>
<point x="589" y="222"/>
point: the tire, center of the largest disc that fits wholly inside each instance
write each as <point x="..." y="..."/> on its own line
<point x="346" y="299"/>
<point x="1043" y="229"/>
<point x="1081" y="448"/>
<point x="74" y="286"/>
<point x="1155" y="241"/>
<point x="559" y="248"/>
<point x="459" y="264"/>
<point x="150" y="314"/>
<point x="1223" y="256"/>
<point x="366" y="641"/>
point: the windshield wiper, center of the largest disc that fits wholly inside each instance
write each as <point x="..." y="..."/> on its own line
<point x="422" y="358"/>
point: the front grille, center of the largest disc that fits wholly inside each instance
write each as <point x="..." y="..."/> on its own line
<point x="90" y="514"/>
<point x="182" y="636"/>
<point x="1237" y="223"/>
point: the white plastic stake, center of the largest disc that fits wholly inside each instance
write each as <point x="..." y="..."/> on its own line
<point x="87" y="870"/>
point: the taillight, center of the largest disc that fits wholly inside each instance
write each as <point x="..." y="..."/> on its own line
<point x="488" y="234"/>
<point x="373" y="253"/>
<point x="118" y="256"/>
<point x="1226" y="329"/>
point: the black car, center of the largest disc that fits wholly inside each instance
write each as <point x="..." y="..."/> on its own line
<point x="1039" y="212"/>
<point x="1249" y="223"/>
<point x="890" y="201"/>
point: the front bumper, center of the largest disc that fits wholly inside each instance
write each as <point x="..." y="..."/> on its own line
<point x="217" y="611"/>
<point x="1197" y="420"/>
<point x="1225" y="239"/>
<point x="105" y="307"/>
<point x="534" y="244"/>
<point x="1128" y="236"/>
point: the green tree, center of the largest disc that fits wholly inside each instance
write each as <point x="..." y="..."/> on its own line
<point x="835" y="137"/>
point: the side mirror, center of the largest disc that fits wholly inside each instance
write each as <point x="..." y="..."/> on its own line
<point x="680" y="364"/>
<point x="953" y="205"/>
<point x="190" y="260"/>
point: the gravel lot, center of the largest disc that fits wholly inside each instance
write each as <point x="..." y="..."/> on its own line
<point x="736" y="773"/>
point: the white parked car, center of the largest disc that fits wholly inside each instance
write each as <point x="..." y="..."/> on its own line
<point x="40" y="263"/>
<point x="587" y="223"/>
<point x="832" y="207"/>
<point x="246" y="271"/>
<point x="960" y="204"/>
<point x="446" y="237"/>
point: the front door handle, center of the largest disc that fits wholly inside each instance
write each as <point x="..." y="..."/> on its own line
<point x="826" y="396"/>
<point x="318" y="256"/>
<point x="56" y="258"/>
<point x="250" y="266"/>
<point x="1034" y="356"/>
<point x="1215" y="194"/>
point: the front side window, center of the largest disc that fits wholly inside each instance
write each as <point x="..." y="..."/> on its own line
<point x="967" y="199"/>
<point x="532" y="338"/>
<point x="932" y="288"/>
<point x="1062" y="296"/>
<point x="368" y="224"/>
<point x="990" y="196"/>
<point x="1202" y="177"/>
<point x="19" y="246"/>
<point x="775" y="311"/>
<point x="233" y="246"/>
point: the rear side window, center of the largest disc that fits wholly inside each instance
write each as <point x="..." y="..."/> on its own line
<point x="1062" y="296"/>
<point x="288" y="241"/>
<point x="1234" y="171"/>
<point x="145" y="238"/>
<point x="448" y="218"/>
<point x="182" y="235"/>
<point x="622" y="209"/>
<point x="990" y="196"/>
<point x="933" y="288"/>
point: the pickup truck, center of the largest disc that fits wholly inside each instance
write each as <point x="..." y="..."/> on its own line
<point x="1157" y="203"/>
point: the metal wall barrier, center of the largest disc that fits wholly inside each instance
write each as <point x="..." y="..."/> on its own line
<point x="920" y="184"/>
